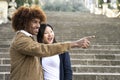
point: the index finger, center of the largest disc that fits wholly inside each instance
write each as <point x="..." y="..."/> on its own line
<point x="90" y="37"/>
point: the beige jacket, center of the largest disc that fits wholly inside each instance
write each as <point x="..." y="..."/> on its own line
<point x="25" y="54"/>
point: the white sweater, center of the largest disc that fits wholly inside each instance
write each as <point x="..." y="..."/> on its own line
<point x="51" y="67"/>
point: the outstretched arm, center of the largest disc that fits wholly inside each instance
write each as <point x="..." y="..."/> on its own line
<point x="82" y="43"/>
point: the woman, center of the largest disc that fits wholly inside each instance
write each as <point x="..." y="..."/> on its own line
<point x="57" y="67"/>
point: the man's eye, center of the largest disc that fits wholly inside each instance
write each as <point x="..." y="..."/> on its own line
<point x="34" y="21"/>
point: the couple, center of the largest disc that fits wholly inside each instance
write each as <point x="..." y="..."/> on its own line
<point x="26" y="53"/>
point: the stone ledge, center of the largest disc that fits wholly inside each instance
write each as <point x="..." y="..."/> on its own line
<point x="4" y="75"/>
<point x="96" y="69"/>
<point x="4" y="72"/>
<point x="97" y="74"/>
<point x="5" y="68"/>
<point x="95" y="62"/>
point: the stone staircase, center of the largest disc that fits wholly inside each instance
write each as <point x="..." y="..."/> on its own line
<point x="96" y="64"/>
<point x="101" y="61"/>
<point x="6" y="34"/>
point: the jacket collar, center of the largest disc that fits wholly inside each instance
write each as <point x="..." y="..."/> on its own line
<point x="26" y="33"/>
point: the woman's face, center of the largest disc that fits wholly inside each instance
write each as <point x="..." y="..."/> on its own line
<point x="48" y="36"/>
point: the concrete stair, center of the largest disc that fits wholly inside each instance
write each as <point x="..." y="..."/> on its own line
<point x="101" y="61"/>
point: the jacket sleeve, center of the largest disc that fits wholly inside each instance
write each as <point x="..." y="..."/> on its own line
<point x="67" y="66"/>
<point x="26" y="45"/>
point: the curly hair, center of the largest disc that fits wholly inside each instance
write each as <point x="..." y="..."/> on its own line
<point x="24" y="15"/>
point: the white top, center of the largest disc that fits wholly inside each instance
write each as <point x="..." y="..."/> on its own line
<point x="51" y="67"/>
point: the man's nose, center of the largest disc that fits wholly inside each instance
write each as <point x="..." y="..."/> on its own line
<point x="38" y="25"/>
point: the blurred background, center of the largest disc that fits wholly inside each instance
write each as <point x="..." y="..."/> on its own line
<point x="72" y="20"/>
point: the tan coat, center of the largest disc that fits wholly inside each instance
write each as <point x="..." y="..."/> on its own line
<point x="25" y="54"/>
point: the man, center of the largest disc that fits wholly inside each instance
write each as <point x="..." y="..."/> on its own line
<point x="25" y="51"/>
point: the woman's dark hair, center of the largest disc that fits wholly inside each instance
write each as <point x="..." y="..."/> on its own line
<point x="41" y="32"/>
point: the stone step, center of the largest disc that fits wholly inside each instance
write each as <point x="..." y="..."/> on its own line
<point x="4" y="61"/>
<point x="64" y="38"/>
<point x="4" y="45"/>
<point x="96" y="76"/>
<point x="6" y="37"/>
<point x="95" y="62"/>
<point x="4" y="55"/>
<point x="99" y="51"/>
<point x="93" y="42"/>
<point x="91" y="48"/>
<point x="110" y="47"/>
<point x="76" y="15"/>
<point x="5" y="68"/>
<point x="78" y="61"/>
<point x="79" y="76"/>
<point x="82" y="53"/>
<point x="79" y="69"/>
<point x="4" y="75"/>
<point x="5" y="40"/>
<point x="95" y="56"/>
<point x="95" y="69"/>
<point x="4" y="50"/>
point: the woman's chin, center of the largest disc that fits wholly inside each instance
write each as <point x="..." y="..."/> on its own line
<point x="50" y="42"/>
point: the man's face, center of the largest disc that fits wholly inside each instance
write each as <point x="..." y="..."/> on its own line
<point x="34" y="26"/>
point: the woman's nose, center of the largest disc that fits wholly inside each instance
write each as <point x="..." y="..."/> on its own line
<point x="49" y="34"/>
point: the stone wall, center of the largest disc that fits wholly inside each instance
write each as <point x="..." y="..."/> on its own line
<point x="3" y="12"/>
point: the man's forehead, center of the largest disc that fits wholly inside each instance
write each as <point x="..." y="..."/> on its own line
<point x="36" y="19"/>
